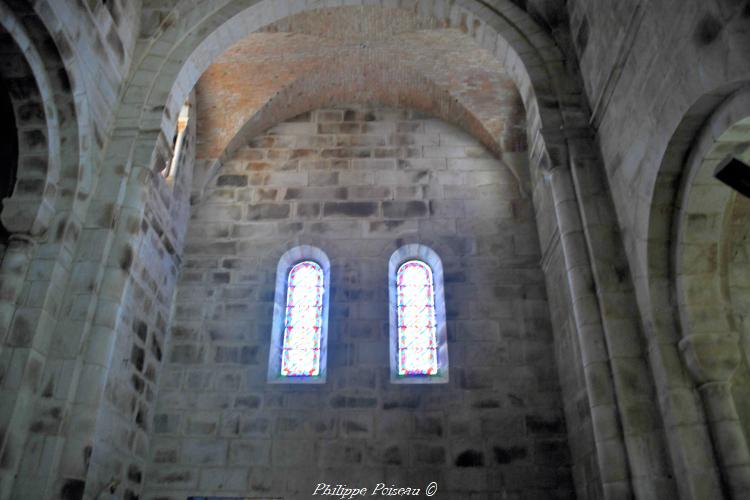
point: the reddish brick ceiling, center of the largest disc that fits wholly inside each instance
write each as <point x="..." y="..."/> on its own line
<point x="356" y="54"/>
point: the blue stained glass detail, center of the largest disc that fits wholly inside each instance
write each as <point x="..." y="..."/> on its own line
<point x="417" y="325"/>
<point x="300" y="355"/>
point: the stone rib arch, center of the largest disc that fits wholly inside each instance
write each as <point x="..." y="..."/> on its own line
<point x="68" y="175"/>
<point x="665" y="306"/>
<point x="725" y="134"/>
<point x="508" y="32"/>
<point x="80" y="142"/>
<point x="50" y="167"/>
<point x="45" y="215"/>
<point x="29" y="209"/>
<point x="709" y="117"/>
<point x="710" y="341"/>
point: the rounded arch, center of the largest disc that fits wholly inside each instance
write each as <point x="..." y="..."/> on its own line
<point x="287" y="262"/>
<point x="697" y="134"/>
<point x="190" y="38"/>
<point x="52" y="174"/>
<point x="45" y="213"/>
<point x="700" y="267"/>
<point x="416" y="251"/>
<point x="185" y="43"/>
<point x="686" y="304"/>
<point x="29" y="208"/>
<point x="505" y="29"/>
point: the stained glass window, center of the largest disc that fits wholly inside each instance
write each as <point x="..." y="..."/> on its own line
<point x="303" y="322"/>
<point x="417" y="338"/>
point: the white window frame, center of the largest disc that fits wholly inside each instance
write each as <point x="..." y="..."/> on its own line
<point x="287" y="261"/>
<point x="425" y="254"/>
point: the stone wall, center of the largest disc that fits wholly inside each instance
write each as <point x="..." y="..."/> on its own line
<point x="79" y="54"/>
<point x="737" y="241"/>
<point x="122" y="436"/>
<point x="359" y="183"/>
<point x="654" y="73"/>
<point x="100" y="37"/>
<point x="738" y="265"/>
<point x="85" y="300"/>
<point x="115" y="434"/>
<point x="639" y="94"/>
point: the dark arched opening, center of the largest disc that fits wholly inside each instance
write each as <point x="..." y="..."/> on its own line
<point x="8" y="152"/>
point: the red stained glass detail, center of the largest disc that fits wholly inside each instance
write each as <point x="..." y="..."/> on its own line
<point x="303" y="321"/>
<point x="417" y="325"/>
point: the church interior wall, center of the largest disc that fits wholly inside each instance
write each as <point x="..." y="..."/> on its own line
<point x="124" y="425"/>
<point x="738" y="274"/>
<point x="359" y="182"/>
<point x="101" y="355"/>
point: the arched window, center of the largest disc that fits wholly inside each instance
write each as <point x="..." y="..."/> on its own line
<point x="417" y="340"/>
<point x="419" y="348"/>
<point x="303" y="321"/>
<point x="300" y="321"/>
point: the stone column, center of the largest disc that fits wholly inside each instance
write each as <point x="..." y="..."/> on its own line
<point x="712" y="359"/>
<point x="610" y="448"/>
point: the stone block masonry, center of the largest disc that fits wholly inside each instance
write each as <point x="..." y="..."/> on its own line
<point x="496" y="429"/>
<point x="619" y="103"/>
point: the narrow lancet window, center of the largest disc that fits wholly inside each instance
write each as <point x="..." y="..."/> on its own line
<point x="418" y="330"/>
<point x="299" y="338"/>
<point x="417" y="338"/>
<point x="303" y="321"/>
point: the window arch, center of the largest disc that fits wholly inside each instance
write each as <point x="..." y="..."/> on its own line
<point x="300" y="323"/>
<point x="419" y="348"/>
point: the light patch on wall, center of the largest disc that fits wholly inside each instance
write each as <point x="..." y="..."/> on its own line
<point x="177" y="142"/>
